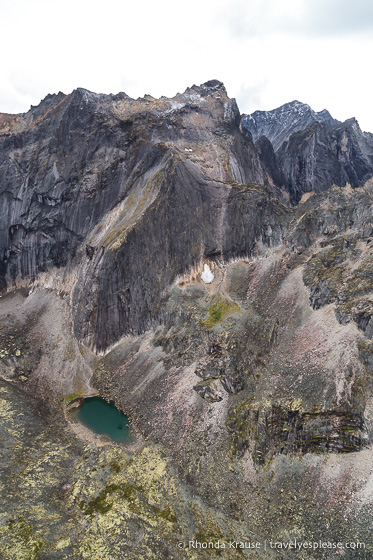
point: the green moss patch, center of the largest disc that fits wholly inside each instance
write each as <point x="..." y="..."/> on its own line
<point x="166" y="513"/>
<point x="219" y="311"/>
<point x="27" y="544"/>
<point x="102" y="505"/>
<point x="68" y="398"/>
<point x="115" y="466"/>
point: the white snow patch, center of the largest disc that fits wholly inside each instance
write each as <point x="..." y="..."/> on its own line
<point x="227" y="110"/>
<point x="195" y="97"/>
<point x="174" y="106"/>
<point x="207" y="276"/>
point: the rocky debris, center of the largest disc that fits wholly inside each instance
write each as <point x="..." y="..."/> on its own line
<point x="251" y="395"/>
<point x="281" y="430"/>
<point x="217" y="365"/>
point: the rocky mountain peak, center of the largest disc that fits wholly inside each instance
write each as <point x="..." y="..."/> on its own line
<point x="279" y="124"/>
<point x="353" y="124"/>
<point x="209" y="87"/>
<point x="313" y="151"/>
<point x="51" y="100"/>
<point x="152" y="254"/>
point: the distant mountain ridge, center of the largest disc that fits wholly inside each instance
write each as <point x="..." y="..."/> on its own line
<point x="279" y="124"/>
<point x="312" y="151"/>
<point x="250" y="395"/>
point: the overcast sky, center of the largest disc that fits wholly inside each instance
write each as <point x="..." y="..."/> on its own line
<point x="267" y="52"/>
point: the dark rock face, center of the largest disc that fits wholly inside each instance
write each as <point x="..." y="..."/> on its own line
<point x="321" y="156"/>
<point x="219" y="373"/>
<point x="279" y="124"/>
<point x="292" y="431"/>
<point x="164" y="169"/>
<point x="365" y="323"/>
<point x="111" y="174"/>
<point x="340" y="272"/>
<point x="269" y="162"/>
<point x="250" y="391"/>
<point x="56" y="164"/>
<point x="313" y="150"/>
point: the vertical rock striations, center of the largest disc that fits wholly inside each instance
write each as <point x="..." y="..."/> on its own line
<point x="128" y="194"/>
<point x="249" y="388"/>
<point x="313" y="150"/>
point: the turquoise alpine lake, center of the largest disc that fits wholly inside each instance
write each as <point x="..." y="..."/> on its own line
<point x="103" y="418"/>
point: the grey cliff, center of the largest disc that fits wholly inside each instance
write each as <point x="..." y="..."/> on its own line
<point x="251" y="395"/>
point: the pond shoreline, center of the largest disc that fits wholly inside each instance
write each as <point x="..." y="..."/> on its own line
<point x="88" y="434"/>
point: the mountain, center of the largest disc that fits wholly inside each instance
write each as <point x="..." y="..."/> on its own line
<point x="313" y="150"/>
<point x="279" y="124"/>
<point x="217" y="287"/>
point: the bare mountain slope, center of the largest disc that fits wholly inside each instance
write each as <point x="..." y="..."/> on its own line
<point x="313" y="151"/>
<point x="250" y="396"/>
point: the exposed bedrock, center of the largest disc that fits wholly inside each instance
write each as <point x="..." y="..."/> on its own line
<point x="62" y="168"/>
<point x="280" y="124"/>
<point x="320" y="156"/>
<point x="120" y="288"/>
<point x="250" y="388"/>
<point x="313" y="151"/>
<point x="124" y="195"/>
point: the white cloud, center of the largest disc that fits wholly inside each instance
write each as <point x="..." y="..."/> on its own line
<point x="266" y="52"/>
<point x="337" y="17"/>
<point x="297" y="17"/>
